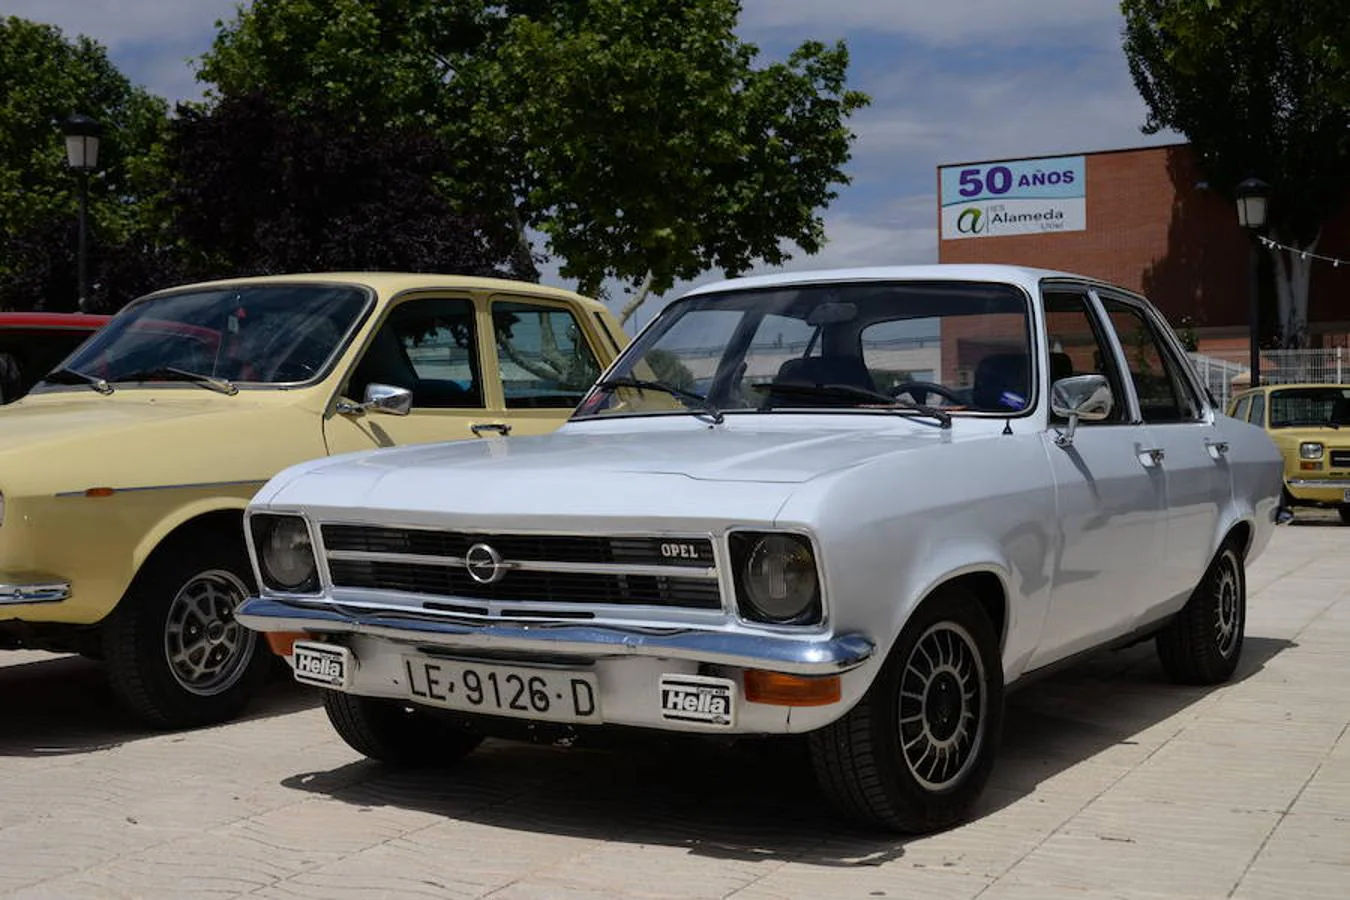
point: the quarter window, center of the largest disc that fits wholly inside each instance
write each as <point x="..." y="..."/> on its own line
<point x="1241" y="408"/>
<point x="1259" y="410"/>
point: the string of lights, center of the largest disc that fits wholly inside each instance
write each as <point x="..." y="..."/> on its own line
<point x="1303" y="254"/>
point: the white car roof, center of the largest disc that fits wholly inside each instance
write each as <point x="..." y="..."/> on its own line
<point x="1026" y="276"/>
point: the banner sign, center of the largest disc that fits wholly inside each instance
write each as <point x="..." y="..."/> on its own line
<point x="1028" y="196"/>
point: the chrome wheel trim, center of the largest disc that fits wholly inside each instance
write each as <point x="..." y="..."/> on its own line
<point x="205" y="646"/>
<point x="1227" y="606"/>
<point x="942" y="707"/>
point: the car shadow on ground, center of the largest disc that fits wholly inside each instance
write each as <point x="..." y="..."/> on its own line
<point x="759" y="800"/>
<point x="62" y="705"/>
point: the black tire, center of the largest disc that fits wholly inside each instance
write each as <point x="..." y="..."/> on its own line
<point x="861" y="760"/>
<point x="1203" y="643"/>
<point x="1345" y="513"/>
<point x="396" y="733"/>
<point x="174" y="654"/>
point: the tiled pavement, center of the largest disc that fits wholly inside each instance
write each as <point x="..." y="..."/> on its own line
<point x="1111" y="784"/>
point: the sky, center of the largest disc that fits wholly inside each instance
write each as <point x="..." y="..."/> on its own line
<point x="950" y="81"/>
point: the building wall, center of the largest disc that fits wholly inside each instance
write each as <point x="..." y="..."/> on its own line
<point x="1153" y="227"/>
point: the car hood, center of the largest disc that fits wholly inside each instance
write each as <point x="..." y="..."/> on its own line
<point x="739" y="469"/>
<point x="51" y="418"/>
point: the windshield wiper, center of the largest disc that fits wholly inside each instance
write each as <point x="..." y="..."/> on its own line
<point x="705" y="405"/>
<point x="863" y="395"/>
<point x="71" y="376"/>
<point x="170" y="373"/>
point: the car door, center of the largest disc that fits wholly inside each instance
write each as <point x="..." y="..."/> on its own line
<point x="547" y="357"/>
<point x="1111" y="505"/>
<point x="1184" y="445"/>
<point x="431" y="346"/>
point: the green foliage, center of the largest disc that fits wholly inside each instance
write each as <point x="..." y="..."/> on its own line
<point x="1258" y="88"/>
<point x="637" y="135"/>
<point x="652" y="144"/>
<point x="44" y="78"/>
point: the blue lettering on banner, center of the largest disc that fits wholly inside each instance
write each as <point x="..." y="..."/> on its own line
<point x="1032" y="179"/>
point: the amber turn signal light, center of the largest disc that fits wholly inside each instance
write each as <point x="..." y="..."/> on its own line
<point x="283" y="642"/>
<point x="781" y="689"/>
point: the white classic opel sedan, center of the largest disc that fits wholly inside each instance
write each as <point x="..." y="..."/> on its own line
<point x="852" y="505"/>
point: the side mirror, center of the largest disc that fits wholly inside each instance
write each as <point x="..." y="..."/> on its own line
<point x="1082" y="398"/>
<point x="385" y="398"/>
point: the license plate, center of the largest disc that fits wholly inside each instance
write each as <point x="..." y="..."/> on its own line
<point x="325" y="665"/>
<point x="554" y="695"/>
<point x="699" y="698"/>
<point x="1347" y="495"/>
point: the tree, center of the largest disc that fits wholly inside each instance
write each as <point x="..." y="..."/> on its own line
<point x="258" y="190"/>
<point x="1259" y="89"/>
<point x="655" y="150"/>
<point x="43" y="79"/>
<point x="638" y="137"/>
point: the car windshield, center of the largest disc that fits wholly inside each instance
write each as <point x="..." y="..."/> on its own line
<point x="947" y="346"/>
<point x="261" y="334"/>
<point x="1310" y="407"/>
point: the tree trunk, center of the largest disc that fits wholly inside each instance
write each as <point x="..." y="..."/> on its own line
<point x="638" y="299"/>
<point x="523" y="258"/>
<point x="1293" y="275"/>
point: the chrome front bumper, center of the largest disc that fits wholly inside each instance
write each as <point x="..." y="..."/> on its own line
<point x="17" y="588"/>
<point x="809" y="655"/>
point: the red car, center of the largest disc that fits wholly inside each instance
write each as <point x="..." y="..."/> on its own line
<point x="34" y="343"/>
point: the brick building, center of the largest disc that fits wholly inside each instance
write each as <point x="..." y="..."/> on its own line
<point x="1142" y="219"/>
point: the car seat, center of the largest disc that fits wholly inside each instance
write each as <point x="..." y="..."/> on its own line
<point x="1001" y="383"/>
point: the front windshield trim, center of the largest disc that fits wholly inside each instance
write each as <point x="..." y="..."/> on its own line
<point x="654" y="329"/>
<point x="321" y="374"/>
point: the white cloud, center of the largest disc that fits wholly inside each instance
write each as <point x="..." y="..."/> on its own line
<point x="152" y="41"/>
<point x="115" y="23"/>
<point x="944" y="22"/>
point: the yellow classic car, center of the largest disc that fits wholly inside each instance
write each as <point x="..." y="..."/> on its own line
<point x="125" y="472"/>
<point x="1310" y="423"/>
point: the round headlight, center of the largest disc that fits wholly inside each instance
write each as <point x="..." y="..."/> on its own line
<point x="287" y="555"/>
<point x="1310" y="450"/>
<point x="780" y="579"/>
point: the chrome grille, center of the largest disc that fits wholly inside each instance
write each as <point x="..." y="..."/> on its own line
<point x="596" y="570"/>
<point x="1340" y="459"/>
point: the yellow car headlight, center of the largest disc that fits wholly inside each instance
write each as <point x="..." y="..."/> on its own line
<point x="1310" y="450"/>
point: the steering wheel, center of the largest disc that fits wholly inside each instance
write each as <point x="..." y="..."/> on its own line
<point x="919" y="391"/>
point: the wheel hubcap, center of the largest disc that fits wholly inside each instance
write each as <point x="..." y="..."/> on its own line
<point x="1228" y="607"/>
<point x="206" y="648"/>
<point x="942" y="706"/>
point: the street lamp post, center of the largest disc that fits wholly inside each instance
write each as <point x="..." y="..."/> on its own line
<point x="1252" y="196"/>
<point x="82" y="140"/>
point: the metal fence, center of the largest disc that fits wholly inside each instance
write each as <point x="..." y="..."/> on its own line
<point x="1227" y="373"/>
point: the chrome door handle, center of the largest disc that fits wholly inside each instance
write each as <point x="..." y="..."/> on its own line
<point x="1152" y="456"/>
<point x="500" y="427"/>
<point x="1217" y="448"/>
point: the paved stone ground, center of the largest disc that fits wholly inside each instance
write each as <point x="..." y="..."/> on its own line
<point x="1111" y="784"/>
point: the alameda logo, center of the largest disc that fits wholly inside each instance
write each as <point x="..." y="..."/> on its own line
<point x="971" y="221"/>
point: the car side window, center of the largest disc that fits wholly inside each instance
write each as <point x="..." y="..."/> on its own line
<point x="1077" y="347"/>
<point x="1241" y="407"/>
<point x="545" y="360"/>
<point x="1163" y="391"/>
<point x="1259" y="410"/>
<point x="428" y="346"/>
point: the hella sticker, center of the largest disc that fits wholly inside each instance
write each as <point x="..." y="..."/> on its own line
<point x="700" y="699"/>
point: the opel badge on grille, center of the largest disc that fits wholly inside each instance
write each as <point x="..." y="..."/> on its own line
<point x="485" y="564"/>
